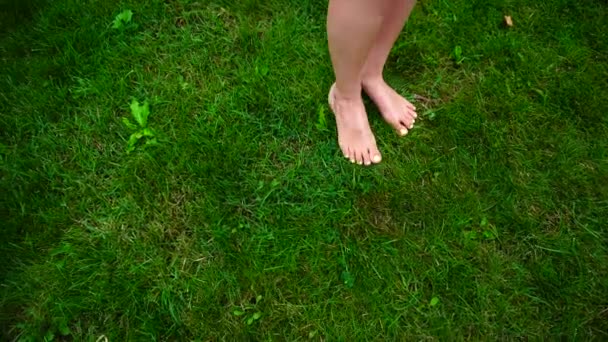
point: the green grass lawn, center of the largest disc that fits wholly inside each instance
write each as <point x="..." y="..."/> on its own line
<point x="241" y="220"/>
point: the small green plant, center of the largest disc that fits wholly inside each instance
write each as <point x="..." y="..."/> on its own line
<point x="243" y="311"/>
<point x="457" y="55"/>
<point x="321" y="119"/>
<point x="430" y="114"/>
<point x="348" y="279"/>
<point x="485" y="231"/>
<point x="434" y="301"/>
<point x="262" y="70"/>
<point x="141" y="130"/>
<point x="182" y="82"/>
<point x="122" y="19"/>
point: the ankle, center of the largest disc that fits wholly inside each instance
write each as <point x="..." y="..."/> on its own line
<point x="351" y="93"/>
<point x="370" y="80"/>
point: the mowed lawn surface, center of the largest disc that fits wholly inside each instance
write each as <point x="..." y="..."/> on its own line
<point x="244" y="222"/>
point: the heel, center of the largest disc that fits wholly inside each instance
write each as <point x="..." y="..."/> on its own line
<point x="330" y="96"/>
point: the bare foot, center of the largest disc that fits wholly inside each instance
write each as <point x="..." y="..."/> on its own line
<point x="395" y="109"/>
<point x="355" y="137"/>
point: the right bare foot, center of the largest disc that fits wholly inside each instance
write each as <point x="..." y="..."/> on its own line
<point x="355" y="136"/>
<point x="395" y="109"/>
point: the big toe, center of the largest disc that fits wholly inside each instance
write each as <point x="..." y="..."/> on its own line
<point x="401" y="125"/>
<point x="373" y="155"/>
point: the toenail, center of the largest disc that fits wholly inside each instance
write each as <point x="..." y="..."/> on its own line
<point x="377" y="159"/>
<point x="403" y="131"/>
<point x="352" y="161"/>
<point x="360" y="163"/>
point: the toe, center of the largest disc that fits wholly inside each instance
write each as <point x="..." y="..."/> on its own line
<point x="407" y="121"/>
<point x="344" y="151"/>
<point x="404" y="128"/>
<point x="410" y="105"/>
<point x="350" y="155"/>
<point x="360" y="158"/>
<point x="376" y="157"/>
<point x="397" y="125"/>
<point x="411" y="124"/>
<point x="366" y="158"/>
<point x="369" y="157"/>
<point x="410" y="112"/>
<point x="413" y="113"/>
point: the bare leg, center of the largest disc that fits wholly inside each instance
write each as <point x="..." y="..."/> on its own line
<point x="352" y="28"/>
<point x="396" y="110"/>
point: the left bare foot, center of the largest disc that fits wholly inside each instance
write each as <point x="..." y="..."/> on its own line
<point x="396" y="110"/>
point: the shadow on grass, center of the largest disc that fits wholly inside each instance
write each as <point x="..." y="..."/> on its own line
<point x="17" y="13"/>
